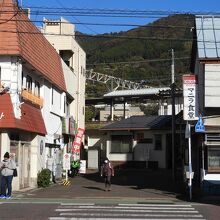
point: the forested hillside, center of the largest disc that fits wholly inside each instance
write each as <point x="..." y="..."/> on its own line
<point x="142" y="53"/>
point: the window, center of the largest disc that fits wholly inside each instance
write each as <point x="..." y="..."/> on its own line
<point x="142" y="140"/>
<point x="214" y="158"/>
<point x="121" y="143"/>
<point x="158" y="142"/>
<point x="140" y="136"/>
<point x="37" y="89"/>
<point x="29" y="83"/>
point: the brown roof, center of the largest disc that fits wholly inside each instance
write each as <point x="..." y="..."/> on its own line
<point x="31" y="119"/>
<point x="19" y="36"/>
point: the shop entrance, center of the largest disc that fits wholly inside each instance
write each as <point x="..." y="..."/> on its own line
<point x="24" y="155"/>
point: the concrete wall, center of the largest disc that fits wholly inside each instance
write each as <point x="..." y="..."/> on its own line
<point x="77" y="61"/>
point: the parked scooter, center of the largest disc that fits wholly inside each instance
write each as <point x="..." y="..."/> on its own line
<point x="74" y="168"/>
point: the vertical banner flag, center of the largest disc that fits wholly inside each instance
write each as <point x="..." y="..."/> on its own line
<point x="77" y="143"/>
<point x="190" y="97"/>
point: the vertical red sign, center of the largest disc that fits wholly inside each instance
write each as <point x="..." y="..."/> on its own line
<point x="78" y="141"/>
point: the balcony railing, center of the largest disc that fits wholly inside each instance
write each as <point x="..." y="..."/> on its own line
<point x="29" y="96"/>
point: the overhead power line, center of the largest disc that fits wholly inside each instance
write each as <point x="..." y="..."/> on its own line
<point x="89" y="14"/>
<point x="109" y="36"/>
<point x="106" y="24"/>
<point x="112" y="12"/>
<point x="139" y="61"/>
<point x="120" y="11"/>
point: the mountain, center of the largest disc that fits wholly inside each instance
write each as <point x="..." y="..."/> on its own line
<point x="143" y="53"/>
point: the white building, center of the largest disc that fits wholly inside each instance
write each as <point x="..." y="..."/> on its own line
<point x="33" y="100"/>
<point x="120" y="111"/>
<point x="139" y="141"/>
<point x="207" y="66"/>
<point x="61" y="34"/>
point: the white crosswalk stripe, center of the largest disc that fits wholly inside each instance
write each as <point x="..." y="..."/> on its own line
<point x="126" y="212"/>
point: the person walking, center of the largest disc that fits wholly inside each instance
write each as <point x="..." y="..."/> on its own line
<point x="7" y="167"/>
<point x="107" y="171"/>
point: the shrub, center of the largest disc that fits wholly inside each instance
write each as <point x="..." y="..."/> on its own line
<point x="43" y="178"/>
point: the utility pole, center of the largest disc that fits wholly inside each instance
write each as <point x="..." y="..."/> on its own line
<point x="173" y="113"/>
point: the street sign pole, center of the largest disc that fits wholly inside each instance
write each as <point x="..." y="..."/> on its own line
<point x="190" y="161"/>
<point x="66" y="164"/>
<point x="173" y="114"/>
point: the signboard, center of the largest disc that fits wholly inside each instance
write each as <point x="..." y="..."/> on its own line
<point x="66" y="161"/>
<point x="190" y="98"/>
<point x="82" y="168"/>
<point x="77" y="143"/>
<point x="78" y="140"/>
<point x="71" y="125"/>
<point x="200" y="125"/>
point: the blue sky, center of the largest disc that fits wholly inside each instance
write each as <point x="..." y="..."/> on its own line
<point x="161" y="5"/>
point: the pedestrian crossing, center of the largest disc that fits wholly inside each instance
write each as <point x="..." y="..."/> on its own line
<point x="92" y="211"/>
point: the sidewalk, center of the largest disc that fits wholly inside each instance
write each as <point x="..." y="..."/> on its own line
<point x="127" y="185"/>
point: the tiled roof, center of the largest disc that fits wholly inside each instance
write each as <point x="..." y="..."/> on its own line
<point x="208" y="36"/>
<point x="136" y="92"/>
<point x="31" y="119"/>
<point x="141" y="123"/>
<point x="19" y="36"/>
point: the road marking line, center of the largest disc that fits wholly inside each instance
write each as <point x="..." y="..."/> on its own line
<point x="113" y="210"/>
<point x="132" y="215"/>
<point x="159" y="205"/>
<point x="125" y="208"/>
<point x="80" y="204"/>
<point x="78" y="218"/>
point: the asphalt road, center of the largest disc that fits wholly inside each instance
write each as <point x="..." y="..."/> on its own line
<point x="41" y="210"/>
<point x="136" y="194"/>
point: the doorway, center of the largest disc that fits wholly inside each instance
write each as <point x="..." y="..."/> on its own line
<point x="24" y="155"/>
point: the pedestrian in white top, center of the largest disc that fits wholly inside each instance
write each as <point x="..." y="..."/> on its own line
<point x="7" y="167"/>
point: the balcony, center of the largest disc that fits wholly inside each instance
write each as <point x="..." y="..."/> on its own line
<point x="29" y="96"/>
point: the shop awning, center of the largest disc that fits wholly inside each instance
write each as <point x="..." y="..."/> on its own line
<point x="31" y="119"/>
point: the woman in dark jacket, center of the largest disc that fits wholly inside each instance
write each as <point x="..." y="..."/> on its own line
<point x="107" y="171"/>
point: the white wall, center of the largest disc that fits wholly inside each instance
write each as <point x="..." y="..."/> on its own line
<point x="52" y="121"/>
<point x="11" y="77"/>
<point x="93" y="140"/>
<point x="212" y="85"/>
<point x="212" y="177"/>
